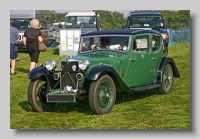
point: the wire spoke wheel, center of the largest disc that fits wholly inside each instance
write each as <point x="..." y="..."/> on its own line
<point x="167" y="81"/>
<point x="37" y="97"/>
<point x="102" y="95"/>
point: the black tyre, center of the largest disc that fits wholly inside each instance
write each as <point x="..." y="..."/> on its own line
<point x="102" y="95"/>
<point x="36" y="96"/>
<point x="167" y="80"/>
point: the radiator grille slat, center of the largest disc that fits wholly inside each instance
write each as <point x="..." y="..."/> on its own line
<point x="68" y="79"/>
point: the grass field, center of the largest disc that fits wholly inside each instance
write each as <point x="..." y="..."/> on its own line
<point x="146" y="110"/>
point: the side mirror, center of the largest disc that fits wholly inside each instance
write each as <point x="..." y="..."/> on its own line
<point x="59" y="25"/>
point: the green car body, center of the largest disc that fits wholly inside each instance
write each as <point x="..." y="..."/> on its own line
<point x="99" y="74"/>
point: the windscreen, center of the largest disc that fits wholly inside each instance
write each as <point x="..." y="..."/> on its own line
<point x="21" y="23"/>
<point x="117" y="43"/>
<point x="146" y="22"/>
<point x="86" y="21"/>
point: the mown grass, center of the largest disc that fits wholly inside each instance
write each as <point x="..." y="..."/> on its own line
<point x="145" y="110"/>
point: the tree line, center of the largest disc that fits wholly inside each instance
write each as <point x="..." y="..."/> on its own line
<point x="112" y="20"/>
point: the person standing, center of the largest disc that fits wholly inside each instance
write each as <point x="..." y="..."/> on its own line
<point x="14" y="39"/>
<point x="31" y="37"/>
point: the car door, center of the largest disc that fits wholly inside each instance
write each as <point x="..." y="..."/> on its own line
<point x="157" y="54"/>
<point x="139" y="68"/>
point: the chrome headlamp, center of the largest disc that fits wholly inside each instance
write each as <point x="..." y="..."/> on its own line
<point x="83" y="64"/>
<point x="51" y="64"/>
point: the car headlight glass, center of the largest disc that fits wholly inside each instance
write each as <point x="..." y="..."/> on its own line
<point x="165" y="36"/>
<point x="50" y="64"/>
<point x="83" y="64"/>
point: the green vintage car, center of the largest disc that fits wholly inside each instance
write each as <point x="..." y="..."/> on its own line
<point x="108" y="62"/>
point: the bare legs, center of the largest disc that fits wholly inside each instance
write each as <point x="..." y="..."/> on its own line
<point x="33" y="65"/>
<point x="13" y="64"/>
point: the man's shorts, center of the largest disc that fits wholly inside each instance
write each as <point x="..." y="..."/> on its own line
<point x="13" y="51"/>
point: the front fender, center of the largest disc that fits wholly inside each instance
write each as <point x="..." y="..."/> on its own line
<point x="98" y="71"/>
<point x="164" y="61"/>
<point x="37" y="72"/>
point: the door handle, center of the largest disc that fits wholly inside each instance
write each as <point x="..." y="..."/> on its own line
<point x="132" y="60"/>
<point x="153" y="59"/>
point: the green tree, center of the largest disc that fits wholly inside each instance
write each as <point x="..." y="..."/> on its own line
<point x="166" y="15"/>
<point x="180" y="19"/>
<point x="61" y="17"/>
<point x="111" y="20"/>
<point x="176" y="19"/>
<point x="49" y="16"/>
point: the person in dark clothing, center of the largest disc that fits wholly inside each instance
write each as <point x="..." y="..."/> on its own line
<point x="104" y="44"/>
<point x="30" y="40"/>
<point x="14" y="39"/>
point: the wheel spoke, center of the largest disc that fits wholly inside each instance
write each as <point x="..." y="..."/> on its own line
<point x="167" y="78"/>
<point x="36" y="96"/>
<point x="39" y="97"/>
<point x="104" y="90"/>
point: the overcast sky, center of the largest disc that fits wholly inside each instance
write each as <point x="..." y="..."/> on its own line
<point x="125" y="12"/>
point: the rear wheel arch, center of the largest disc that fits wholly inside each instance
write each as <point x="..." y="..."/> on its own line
<point x="169" y="60"/>
<point x="174" y="68"/>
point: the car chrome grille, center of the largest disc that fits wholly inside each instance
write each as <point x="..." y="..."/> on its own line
<point x="68" y="75"/>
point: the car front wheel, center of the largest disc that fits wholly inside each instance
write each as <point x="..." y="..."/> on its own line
<point x="167" y="80"/>
<point x="36" y="96"/>
<point x="102" y="95"/>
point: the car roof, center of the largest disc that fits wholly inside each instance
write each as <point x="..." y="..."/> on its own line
<point x="124" y="31"/>
<point x="145" y="13"/>
<point x="81" y="14"/>
<point x="21" y="16"/>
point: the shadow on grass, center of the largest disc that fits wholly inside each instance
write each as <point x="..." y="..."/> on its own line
<point x="62" y="107"/>
<point x="23" y="69"/>
<point x="73" y="107"/>
<point x="56" y="51"/>
<point x="83" y="107"/>
<point x="121" y="98"/>
<point x="25" y="106"/>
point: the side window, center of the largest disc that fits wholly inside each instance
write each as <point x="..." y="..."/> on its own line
<point x="155" y="43"/>
<point x="142" y="44"/>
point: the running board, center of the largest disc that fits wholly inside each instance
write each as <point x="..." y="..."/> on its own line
<point x="143" y="88"/>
